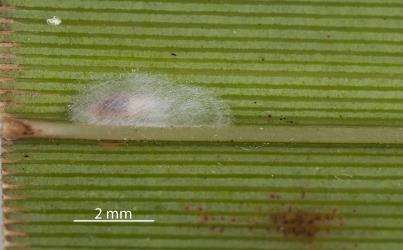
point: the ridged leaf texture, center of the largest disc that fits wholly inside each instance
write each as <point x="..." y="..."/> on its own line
<point x="292" y="63"/>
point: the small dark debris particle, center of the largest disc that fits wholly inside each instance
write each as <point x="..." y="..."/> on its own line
<point x="269" y="116"/>
<point x="274" y="196"/>
<point x="206" y="218"/>
<point x="26" y="156"/>
<point x="188" y="207"/>
<point x="173" y="54"/>
<point x="283" y="118"/>
<point x="255" y="102"/>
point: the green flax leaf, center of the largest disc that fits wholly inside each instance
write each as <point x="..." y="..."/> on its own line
<point x="312" y="158"/>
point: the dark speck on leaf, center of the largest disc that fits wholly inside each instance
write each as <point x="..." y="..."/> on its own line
<point x="173" y="54"/>
<point x="274" y="196"/>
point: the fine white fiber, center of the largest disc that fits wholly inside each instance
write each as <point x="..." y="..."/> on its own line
<point x="143" y="100"/>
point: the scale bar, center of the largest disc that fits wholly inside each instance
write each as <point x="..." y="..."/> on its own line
<point x="118" y="221"/>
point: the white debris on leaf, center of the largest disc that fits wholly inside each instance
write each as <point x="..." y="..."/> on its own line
<point x="142" y="100"/>
<point x="55" y="21"/>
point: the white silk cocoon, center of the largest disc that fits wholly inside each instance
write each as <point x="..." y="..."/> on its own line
<point x="143" y="100"/>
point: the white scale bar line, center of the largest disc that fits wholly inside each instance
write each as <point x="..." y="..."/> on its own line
<point x="127" y="221"/>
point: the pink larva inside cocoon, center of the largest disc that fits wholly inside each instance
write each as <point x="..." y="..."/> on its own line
<point x="143" y="100"/>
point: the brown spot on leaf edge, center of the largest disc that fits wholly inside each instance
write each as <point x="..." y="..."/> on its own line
<point x="14" y="129"/>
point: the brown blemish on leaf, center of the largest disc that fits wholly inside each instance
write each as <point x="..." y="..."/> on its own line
<point x="305" y="225"/>
<point x="207" y="219"/>
<point x="14" y="129"/>
<point x="6" y="21"/>
<point x="5" y="8"/>
<point x="8" y="66"/>
<point x="6" y="93"/>
<point x="6" y="55"/>
<point x="8" y="210"/>
<point x="274" y="196"/>
<point x="6" y="147"/>
<point x="15" y="245"/>
<point x="7" y="161"/>
<point x="13" y="93"/>
<point x="7" y="79"/>
<point x="188" y="207"/>
<point x="8" y="45"/>
<point x="13" y="198"/>
<point x="11" y="240"/>
<point x="5" y="172"/>
<point x="14" y="233"/>
<point x="8" y="106"/>
<point x="13" y="222"/>
<point x="3" y="106"/>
